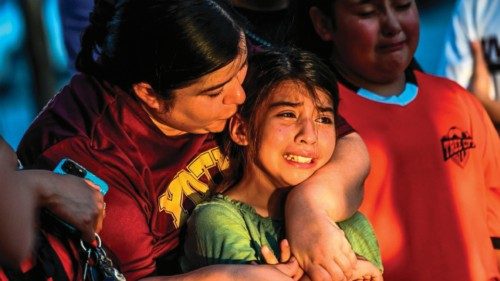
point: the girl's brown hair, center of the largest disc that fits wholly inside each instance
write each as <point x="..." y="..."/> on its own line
<point x="267" y="70"/>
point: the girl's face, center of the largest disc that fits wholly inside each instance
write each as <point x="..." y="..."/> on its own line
<point x="206" y="105"/>
<point x="296" y="137"/>
<point x="374" y="40"/>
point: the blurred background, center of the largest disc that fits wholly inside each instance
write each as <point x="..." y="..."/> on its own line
<point x="34" y="60"/>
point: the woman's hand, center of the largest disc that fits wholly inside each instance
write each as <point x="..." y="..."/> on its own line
<point x="72" y="199"/>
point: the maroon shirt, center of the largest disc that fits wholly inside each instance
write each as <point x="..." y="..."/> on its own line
<point x="154" y="180"/>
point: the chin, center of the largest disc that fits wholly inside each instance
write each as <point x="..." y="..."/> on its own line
<point x="217" y="128"/>
<point x="296" y="180"/>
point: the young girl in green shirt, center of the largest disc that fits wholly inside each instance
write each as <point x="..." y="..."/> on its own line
<point x="282" y="134"/>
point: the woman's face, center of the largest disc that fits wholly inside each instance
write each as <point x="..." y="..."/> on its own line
<point x="296" y="135"/>
<point x="207" y="104"/>
<point x="374" y="40"/>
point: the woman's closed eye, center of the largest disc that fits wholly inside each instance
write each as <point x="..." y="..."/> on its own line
<point x="214" y="94"/>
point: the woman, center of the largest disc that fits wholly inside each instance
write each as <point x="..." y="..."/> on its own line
<point x="142" y="116"/>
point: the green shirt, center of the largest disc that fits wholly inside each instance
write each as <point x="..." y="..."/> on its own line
<point x="225" y="231"/>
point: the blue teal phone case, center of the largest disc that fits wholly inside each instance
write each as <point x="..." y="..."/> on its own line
<point x="68" y="166"/>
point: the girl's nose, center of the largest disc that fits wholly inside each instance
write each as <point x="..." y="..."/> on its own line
<point x="307" y="132"/>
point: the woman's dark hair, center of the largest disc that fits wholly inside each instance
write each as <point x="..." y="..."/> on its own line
<point x="165" y="43"/>
<point x="266" y="71"/>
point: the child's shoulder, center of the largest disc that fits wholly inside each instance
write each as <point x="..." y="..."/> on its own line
<point x="215" y="204"/>
<point x="433" y="81"/>
<point x="219" y="216"/>
<point x="436" y="84"/>
<point x="217" y="207"/>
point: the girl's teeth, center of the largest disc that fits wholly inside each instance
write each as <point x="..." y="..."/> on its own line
<point x="297" y="158"/>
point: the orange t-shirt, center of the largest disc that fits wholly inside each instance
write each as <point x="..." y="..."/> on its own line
<point x="433" y="193"/>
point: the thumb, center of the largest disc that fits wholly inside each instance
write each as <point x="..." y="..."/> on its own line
<point x="289" y="268"/>
<point x="268" y="255"/>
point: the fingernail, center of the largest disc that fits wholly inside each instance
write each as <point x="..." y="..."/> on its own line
<point x="93" y="185"/>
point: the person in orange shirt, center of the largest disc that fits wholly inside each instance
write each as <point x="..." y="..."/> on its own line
<point x="433" y="194"/>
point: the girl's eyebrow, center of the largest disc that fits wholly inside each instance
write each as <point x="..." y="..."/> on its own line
<point x="297" y="104"/>
<point x="285" y="103"/>
<point x="325" y="109"/>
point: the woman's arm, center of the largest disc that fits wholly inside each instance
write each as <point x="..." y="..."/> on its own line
<point x="23" y="192"/>
<point x="228" y="272"/>
<point x="332" y="194"/>
<point x="337" y="187"/>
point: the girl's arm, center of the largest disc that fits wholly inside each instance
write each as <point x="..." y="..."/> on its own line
<point x="217" y="233"/>
<point x="332" y="194"/>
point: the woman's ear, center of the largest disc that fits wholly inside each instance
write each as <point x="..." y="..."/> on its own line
<point x="322" y="24"/>
<point x="238" y="130"/>
<point x="147" y="95"/>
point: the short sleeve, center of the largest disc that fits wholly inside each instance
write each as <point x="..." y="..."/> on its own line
<point x="127" y="237"/>
<point x="361" y="236"/>
<point x="216" y="234"/>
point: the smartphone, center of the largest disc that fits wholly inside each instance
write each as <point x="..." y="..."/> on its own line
<point x="68" y="166"/>
<point x="53" y="223"/>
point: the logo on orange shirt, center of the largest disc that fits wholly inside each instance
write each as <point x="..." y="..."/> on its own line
<point x="456" y="145"/>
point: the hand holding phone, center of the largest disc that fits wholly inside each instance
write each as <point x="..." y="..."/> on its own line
<point x="68" y="166"/>
<point x="52" y="222"/>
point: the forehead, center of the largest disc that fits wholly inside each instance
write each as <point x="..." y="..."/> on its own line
<point x="222" y="75"/>
<point x="227" y="71"/>
<point x="298" y="92"/>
